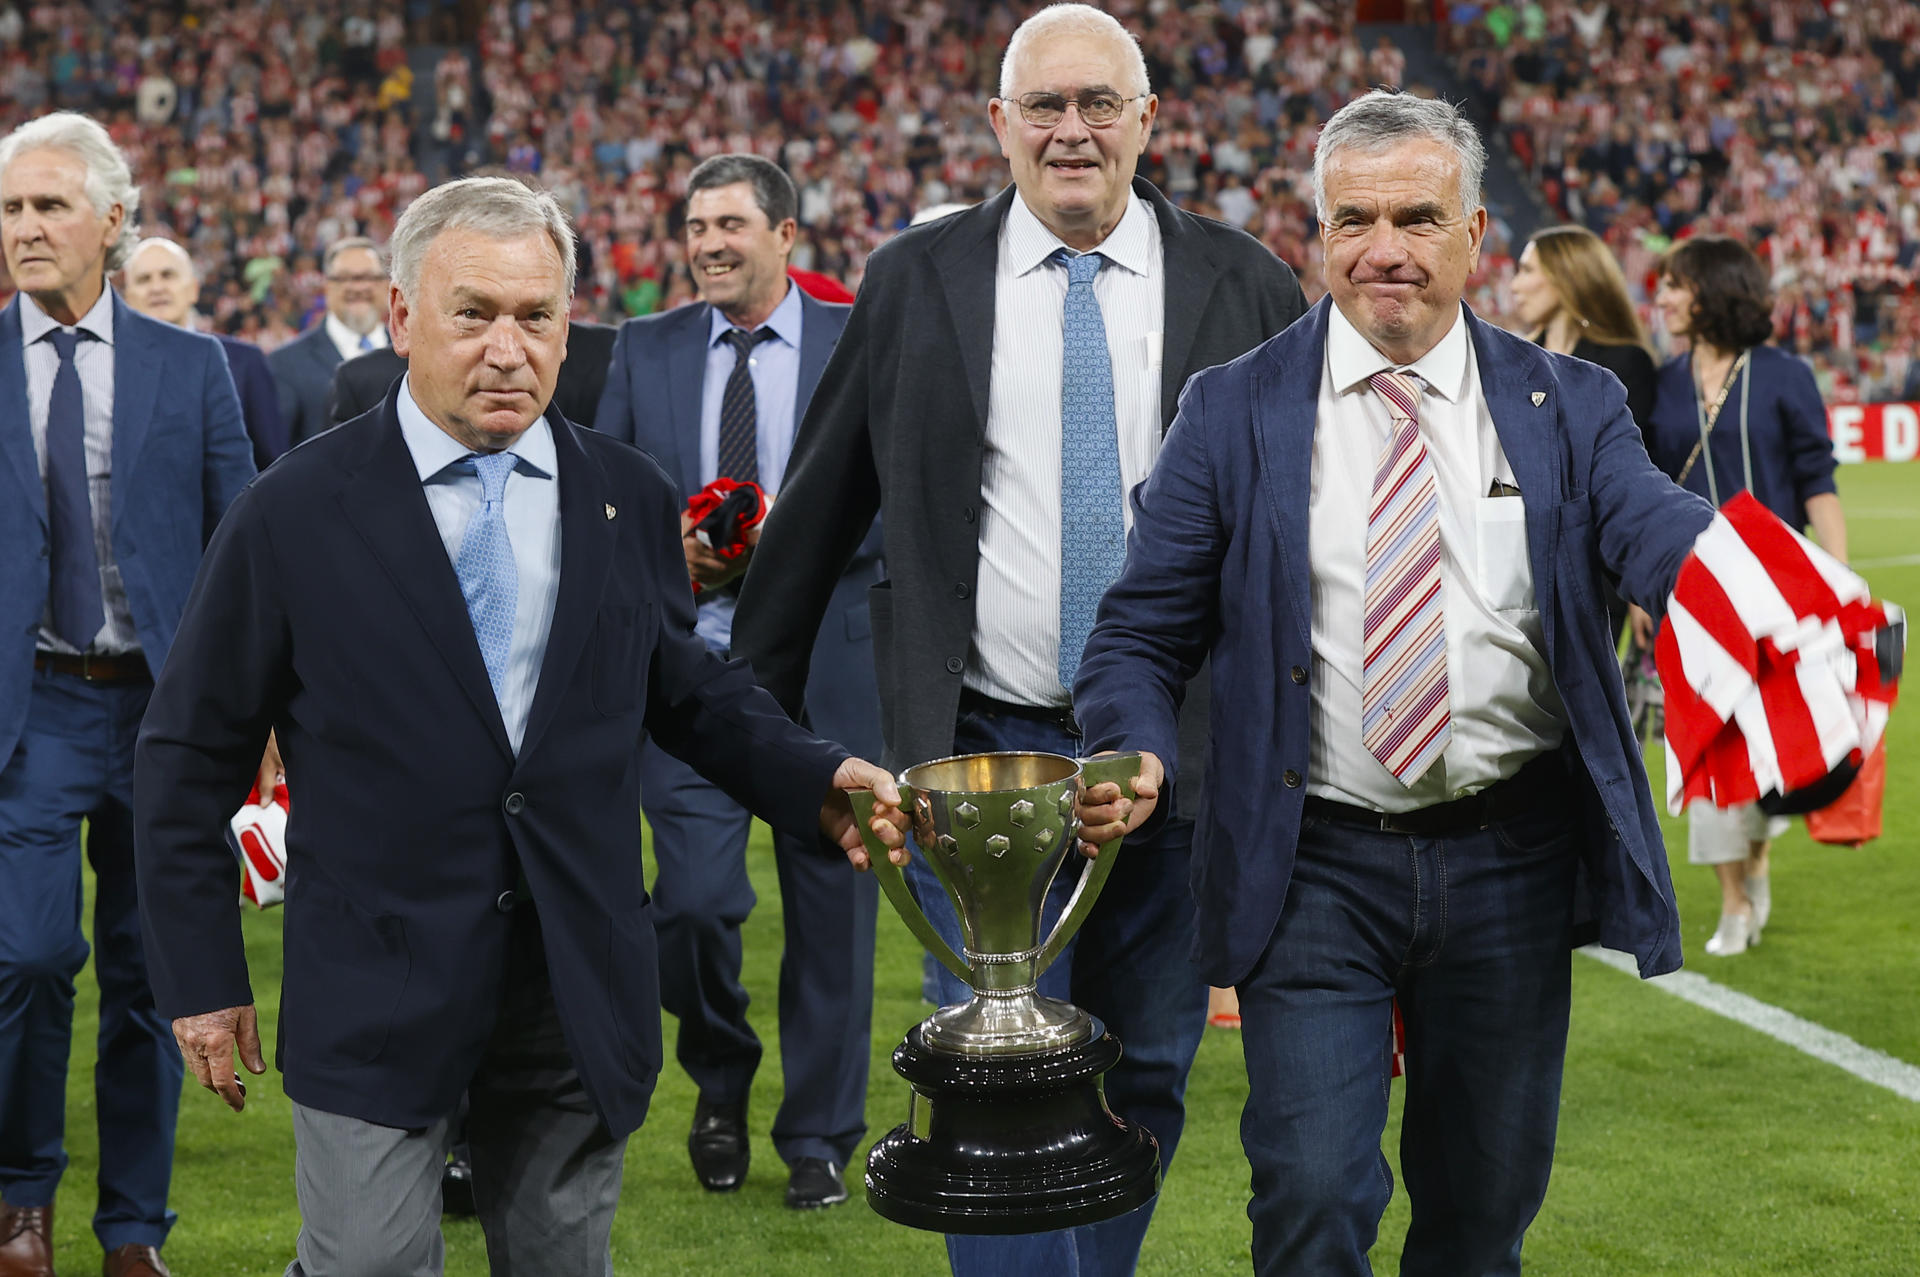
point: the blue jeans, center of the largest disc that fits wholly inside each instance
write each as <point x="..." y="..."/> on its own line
<point x="74" y="761"/>
<point x="1130" y="967"/>
<point x="1473" y="934"/>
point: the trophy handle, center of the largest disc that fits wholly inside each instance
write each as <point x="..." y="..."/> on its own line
<point x="894" y="883"/>
<point x="1120" y="769"/>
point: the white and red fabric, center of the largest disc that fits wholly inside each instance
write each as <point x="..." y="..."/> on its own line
<point x="259" y="838"/>
<point x="1768" y="663"/>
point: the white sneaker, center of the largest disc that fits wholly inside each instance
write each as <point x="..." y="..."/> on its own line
<point x="1760" y="896"/>
<point x="1732" y="936"/>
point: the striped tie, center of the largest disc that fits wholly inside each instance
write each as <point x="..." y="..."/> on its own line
<point x="1403" y="698"/>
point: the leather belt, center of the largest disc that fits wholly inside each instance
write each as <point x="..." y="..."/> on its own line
<point x="1061" y="716"/>
<point x="120" y="667"/>
<point x="1542" y="782"/>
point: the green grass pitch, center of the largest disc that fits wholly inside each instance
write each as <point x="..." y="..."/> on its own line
<point x="1688" y="1144"/>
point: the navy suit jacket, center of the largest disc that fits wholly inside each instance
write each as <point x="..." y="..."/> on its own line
<point x="668" y="352"/>
<point x="303" y="372"/>
<point x="1219" y="565"/>
<point x="259" y="398"/>
<point x="180" y="455"/>
<point x="328" y="610"/>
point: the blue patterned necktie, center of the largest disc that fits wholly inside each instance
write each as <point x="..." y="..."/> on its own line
<point x="488" y="579"/>
<point x="78" y="612"/>
<point x="1093" y="543"/>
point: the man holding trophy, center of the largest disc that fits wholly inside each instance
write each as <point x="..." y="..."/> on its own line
<point x="1078" y="301"/>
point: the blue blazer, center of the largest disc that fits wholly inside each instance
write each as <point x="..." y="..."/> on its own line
<point x="1218" y="565"/>
<point x="303" y="375"/>
<point x="329" y="611"/>
<point x="259" y="398"/>
<point x="180" y="455"/>
<point x="652" y="400"/>
<point x="1786" y="431"/>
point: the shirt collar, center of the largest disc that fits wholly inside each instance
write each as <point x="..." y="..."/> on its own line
<point x="347" y="341"/>
<point x="36" y="323"/>
<point x="434" y="451"/>
<point x="785" y="320"/>
<point x="1128" y="245"/>
<point x="1351" y="359"/>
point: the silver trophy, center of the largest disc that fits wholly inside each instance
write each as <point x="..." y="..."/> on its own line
<point x="1009" y="1130"/>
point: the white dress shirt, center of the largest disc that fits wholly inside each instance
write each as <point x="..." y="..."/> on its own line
<point x="347" y="341"/>
<point x="93" y="361"/>
<point x="1501" y="699"/>
<point x="532" y="500"/>
<point x="1016" y="625"/>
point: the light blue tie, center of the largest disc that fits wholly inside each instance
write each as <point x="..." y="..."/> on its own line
<point x="1093" y="543"/>
<point x="488" y="578"/>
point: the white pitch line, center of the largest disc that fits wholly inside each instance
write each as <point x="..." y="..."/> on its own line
<point x="1896" y="561"/>
<point x="1837" y="1049"/>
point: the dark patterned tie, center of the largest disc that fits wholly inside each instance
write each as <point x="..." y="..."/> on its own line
<point x="739" y="414"/>
<point x="78" y="612"/>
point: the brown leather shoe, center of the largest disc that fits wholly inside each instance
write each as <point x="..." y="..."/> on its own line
<point x="26" y="1241"/>
<point x="134" y="1261"/>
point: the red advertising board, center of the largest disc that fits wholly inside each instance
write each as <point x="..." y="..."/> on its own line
<point x="1874" y="431"/>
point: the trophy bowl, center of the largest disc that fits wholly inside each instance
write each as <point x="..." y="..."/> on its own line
<point x="1008" y="1129"/>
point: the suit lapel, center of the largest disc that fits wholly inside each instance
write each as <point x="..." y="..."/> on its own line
<point x="16" y="428"/>
<point x="136" y="369"/>
<point x="1285" y="401"/>
<point x="325" y="353"/>
<point x="966" y="257"/>
<point x="386" y="505"/>
<point x="686" y="382"/>
<point x="1529" y="436"/>
<point x="816" y="343"/>
<point x="586" y="552"/>
<point x="1187" y="259"/>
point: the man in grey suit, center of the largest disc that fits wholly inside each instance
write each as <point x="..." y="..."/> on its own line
<point x="1005" y="378"/>
<point x="355" y="322"/>
<point x="713" y="391"/>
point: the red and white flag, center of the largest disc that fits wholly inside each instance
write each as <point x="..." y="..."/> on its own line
<point x="259" y="840"/>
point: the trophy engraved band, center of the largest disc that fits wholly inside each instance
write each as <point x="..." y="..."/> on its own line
<point x="1008" y="1129"/>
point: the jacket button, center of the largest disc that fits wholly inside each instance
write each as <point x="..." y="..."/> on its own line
<point x="969" y="514"/>
<point x="514" y="804"/>
<point x="955" y="665"/>
<point x="1299" y="673"/>
<point x="961" y="590"/>
<point x="506" y="901"/>
<point x="1292" y="778"/>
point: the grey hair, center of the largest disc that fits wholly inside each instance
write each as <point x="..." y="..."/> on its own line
<point x="1070" y="20"/>
<point x="498" y="207"/>
<point x="161" y="241"/>
<point x="109" y="180"/>
<point x="1377" y="121"/>
<point x="773" y="190"/>
<point x="347" y="244"/>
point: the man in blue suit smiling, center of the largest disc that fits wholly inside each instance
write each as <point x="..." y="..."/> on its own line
<point x="717" y="391"/>
<point x="109" y="487"/>
<point x="1386" y="527"/>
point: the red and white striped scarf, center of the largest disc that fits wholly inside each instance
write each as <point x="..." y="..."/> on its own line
<point x="1768" y="663"/>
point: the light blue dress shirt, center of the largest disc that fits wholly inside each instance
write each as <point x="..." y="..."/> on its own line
<point x="775" y="368"/>
<point x="532" y="501"/>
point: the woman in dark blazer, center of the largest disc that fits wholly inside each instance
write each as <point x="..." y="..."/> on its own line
<point x="1734" y="414"/>
<point x="1571" y="298"/>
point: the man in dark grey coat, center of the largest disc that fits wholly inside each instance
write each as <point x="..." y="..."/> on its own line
<point x="1004" y="380"/>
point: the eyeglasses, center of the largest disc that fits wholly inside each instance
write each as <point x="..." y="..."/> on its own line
<point x="369" y="277"/>
<point x="1098" y="107"/>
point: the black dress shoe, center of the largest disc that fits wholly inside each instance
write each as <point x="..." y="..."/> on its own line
<point x="814" y="1184"/>
<point x="456" y="1187"/>
<point x="718" y="1145"/>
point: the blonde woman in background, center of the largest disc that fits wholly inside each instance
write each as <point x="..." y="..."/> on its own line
<point x="1571" y="298"/>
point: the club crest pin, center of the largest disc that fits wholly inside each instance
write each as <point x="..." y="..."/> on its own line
<point x="610" y="512"/>
<point x="1539" y="397"/>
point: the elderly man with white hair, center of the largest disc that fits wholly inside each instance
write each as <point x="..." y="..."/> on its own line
<point x="123" y="444"/>
<point x="163" y="283"/>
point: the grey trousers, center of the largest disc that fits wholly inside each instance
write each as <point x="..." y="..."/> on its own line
<point x="546" y="1171"/>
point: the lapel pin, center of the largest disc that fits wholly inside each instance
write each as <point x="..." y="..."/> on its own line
<point x="1539" y="397"/>
<point x="610" y="512"/>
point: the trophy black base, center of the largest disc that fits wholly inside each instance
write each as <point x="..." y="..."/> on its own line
<point x="1011" y="1143"/>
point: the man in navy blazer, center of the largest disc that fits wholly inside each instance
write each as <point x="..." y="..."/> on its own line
<point x="463" y="617"/>
<point x="1388" y="501"/>
<point x="122" y="446"/>
<point x="675" y="380"/>
<point x="164" y="284"/>
<point x="354" y="322"/>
